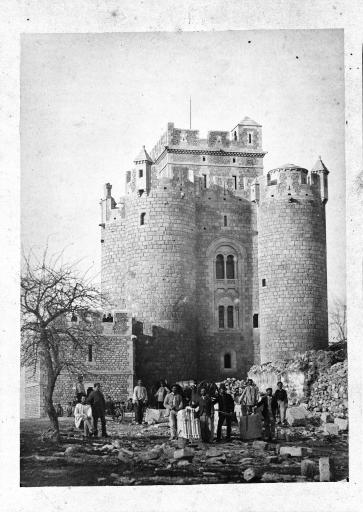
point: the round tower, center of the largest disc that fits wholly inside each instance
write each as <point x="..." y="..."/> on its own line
<point x="292" y="260"/>
<point x="160" y="284"/>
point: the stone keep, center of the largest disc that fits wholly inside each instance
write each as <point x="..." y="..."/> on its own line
<point x="219" y="265"/>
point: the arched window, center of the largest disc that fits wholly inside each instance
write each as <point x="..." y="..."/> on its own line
<point x="230" y="317"/>
<point x="221" y="317"/>
<point x="230" y="267"/>
<point x="227" y="361"/>
<point x="220" y="266"/>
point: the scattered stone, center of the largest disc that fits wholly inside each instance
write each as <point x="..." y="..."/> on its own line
<point x="114" y="475"/>
<point x="326" y="469"/>
<point x="326" y="417"/>
<point x="246" y="460"/>
<point x="214" y="461"/>
<point x="308" y="468"/>
<point x="184" y="453"/>
<point x="183" y="463"/>
<point x="341" y="423"/>
<point x="273" y="459"/>
<point x="259" y="445"/>
<point x="331" y="428"/>
<point x="220" y="458"/>
<point x="293" y="451"/>
<point x="72" y="450"/>
<point x="212" y="452"/>
<point x="123" y="458"/>
<point x="251" y="474"/>
<point x="296" y="416"/>
<point x="107" y="447"/>
<point x="182" y="442"/>
<point x="101" y="479"/>
<point x="276" y="477"/>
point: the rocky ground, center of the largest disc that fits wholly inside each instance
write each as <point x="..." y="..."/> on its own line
<point x="143" y="455"/>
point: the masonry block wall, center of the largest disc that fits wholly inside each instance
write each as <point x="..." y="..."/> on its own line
<point x="292" y="263"/>
<point x="112" y="365"/>
<point x="187" y="248"/>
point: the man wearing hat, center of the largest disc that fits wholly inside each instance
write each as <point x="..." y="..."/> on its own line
<point x="225" y="412"/>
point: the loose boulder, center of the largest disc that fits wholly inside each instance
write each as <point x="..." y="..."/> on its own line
<point x="308" y="468"/>
<point x="326" y="469"/>
<point x="251" y="474"/>
<point x="296" y="416"/>
<point x="184" y="453"/>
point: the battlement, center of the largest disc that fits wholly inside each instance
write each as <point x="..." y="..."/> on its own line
<point x="292" y="181"/>
<point x="246" y="137"/>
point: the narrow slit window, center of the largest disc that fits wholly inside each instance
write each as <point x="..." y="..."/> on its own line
<point x="230" y="267"/>
<point x="225" y="220"/>
<point x="255" y="321"/>
<point x="142" y="218"/>
<point x="235" y="135"/>
<point x="235" y="182"/>
<point x="204" y="180"/>
<point x="221" y="317"/>
<point x="263" y="282"/>
<point x="203" y="158"/>
<point x="90" y="353"/>
<point x="227" y="361"/>
<point x="303" y="179"/>
<point x="249" y="138"/>
<point x="220" y="266"/>
<point x="141" y="173"/>
<point x="230" y="317"/>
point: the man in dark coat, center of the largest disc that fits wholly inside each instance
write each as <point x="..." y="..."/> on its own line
<point x="97" y="402"/>
<point x="225" y="412"/>
<point x="268" y="408"/>
<point x="281" y="401"/>
<point x="205" y="410"/>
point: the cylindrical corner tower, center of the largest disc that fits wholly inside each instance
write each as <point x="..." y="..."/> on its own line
<point x="160" y="279"/>
<point x="292" y="261"/>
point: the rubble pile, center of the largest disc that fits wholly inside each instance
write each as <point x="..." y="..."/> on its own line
<point x="329" y="393"/>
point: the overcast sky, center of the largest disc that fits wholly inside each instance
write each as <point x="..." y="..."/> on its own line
<point x="89" y="101"/>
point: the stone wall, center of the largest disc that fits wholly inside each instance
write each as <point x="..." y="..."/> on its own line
<point x="292" y="267"/>
<point x="112" y="365"/>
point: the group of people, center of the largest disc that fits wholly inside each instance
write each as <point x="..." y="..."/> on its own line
<point x="91" y="406"/>
<point x="207" y="398"/>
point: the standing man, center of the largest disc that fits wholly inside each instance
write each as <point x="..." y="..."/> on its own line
<point x="206" y="412"/>
<point x="249" y="397"/>
<point x="173" y="403"/>
<point x="268" y="409"/>
<point x="225" y="412"/>
<point x="140" y="400"/>
<point x="161" y="394"/>
<point x="281" y="400"/>
<point x="80" y="391"/>
<point x="97" y="402"/>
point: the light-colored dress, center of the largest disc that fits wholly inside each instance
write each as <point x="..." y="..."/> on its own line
<point x="83" y="412"/>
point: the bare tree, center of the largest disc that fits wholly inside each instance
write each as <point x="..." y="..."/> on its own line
<point x="338" y="321"/>
<point x="59" y="319"/>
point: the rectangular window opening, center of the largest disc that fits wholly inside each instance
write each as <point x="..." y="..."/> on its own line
<point x="221" y="317"/>
<point x="235" y="182"/>
<point x="90" y="353"/>
<point x="204" y="180"/>
<point x="141" y="173"/>
<point x="225" y="220"/>
<point x="230" y="317"/>
<point x="255" y="321"/>
<point x="263" y="282"/>
<point x="249" y="138"/>
<point x="142" y="218"/>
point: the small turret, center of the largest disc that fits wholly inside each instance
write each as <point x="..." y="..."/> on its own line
<point x="247" y="133"/>
<point x="143" y="163"/>
<point x="107" y="204"/>
<point x="319" y="177"/>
